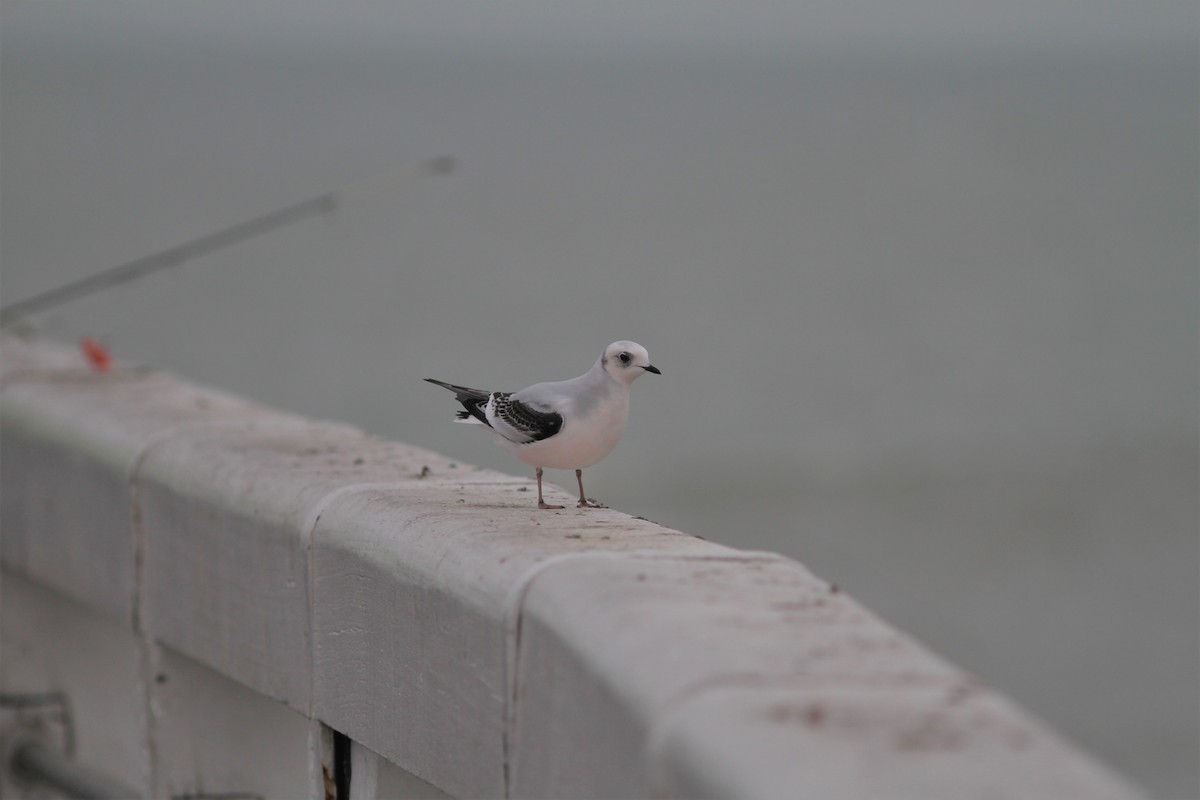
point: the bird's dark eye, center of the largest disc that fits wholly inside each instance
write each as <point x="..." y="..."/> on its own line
<point x="624" y="358"/>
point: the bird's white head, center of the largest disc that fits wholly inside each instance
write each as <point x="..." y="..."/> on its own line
<point x="626" y="361"/>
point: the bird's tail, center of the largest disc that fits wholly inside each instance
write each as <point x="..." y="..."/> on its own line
<point x="472" y="400"/>
<point x="463" y="392"/>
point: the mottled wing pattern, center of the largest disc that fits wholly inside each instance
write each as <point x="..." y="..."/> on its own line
<point x="526" y="423"/>
<point x="516" y="421"/>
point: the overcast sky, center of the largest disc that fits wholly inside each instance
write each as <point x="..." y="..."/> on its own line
<point x="601" y="27"/>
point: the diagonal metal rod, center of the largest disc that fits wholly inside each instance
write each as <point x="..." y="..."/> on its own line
<point x="35" y="761"/>
<point x="321" y="204"/>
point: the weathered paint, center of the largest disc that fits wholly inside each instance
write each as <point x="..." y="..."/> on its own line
<point x="461" y="638"/>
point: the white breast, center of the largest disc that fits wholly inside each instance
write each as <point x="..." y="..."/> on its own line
<point x="581" y="442"/>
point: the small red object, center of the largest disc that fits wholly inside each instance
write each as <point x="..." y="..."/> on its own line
<point x="97" y="354"/>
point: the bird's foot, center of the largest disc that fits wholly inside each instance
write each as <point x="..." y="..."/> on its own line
<point x="590" y="503"/>
<point x="546" y="506"/>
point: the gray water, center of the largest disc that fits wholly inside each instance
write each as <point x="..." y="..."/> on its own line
<point x="925" y="302"/>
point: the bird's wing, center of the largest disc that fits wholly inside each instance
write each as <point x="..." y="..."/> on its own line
<point x="521" y="422"/>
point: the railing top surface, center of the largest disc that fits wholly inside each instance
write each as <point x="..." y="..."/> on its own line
<point x="372" y="584"/>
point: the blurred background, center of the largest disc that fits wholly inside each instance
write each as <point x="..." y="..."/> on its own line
<point x="921" y="277"/>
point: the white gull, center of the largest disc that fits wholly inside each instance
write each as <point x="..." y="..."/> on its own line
<point x="564" y="424"/>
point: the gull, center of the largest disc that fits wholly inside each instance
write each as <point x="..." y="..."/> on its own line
<point x="564" y="424"/>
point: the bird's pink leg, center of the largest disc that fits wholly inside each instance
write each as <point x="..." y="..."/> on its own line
<point x="583" y="501"/>
<point x="541" y="502"/>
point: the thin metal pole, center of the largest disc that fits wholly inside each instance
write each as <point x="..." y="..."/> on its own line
<point x="321" y="204"/>
<point x="165" y="259"/>
<point x="35" y="761"/>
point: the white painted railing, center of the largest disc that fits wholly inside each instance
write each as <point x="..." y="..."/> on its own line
<point x="218" y="588"/>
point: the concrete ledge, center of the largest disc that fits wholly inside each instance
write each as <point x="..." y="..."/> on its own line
<point x="739" y="620"/>
<point x="416" y="596"/>
<point x="71" y="441"/>
<point x="429" y="612"/>
<point x="859" y="739"/>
